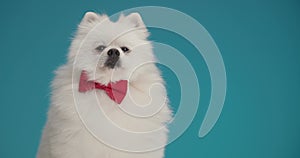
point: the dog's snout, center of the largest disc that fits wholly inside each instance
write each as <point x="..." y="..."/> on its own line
<point x="113" y="52"/>
<point x="113" y="58"/>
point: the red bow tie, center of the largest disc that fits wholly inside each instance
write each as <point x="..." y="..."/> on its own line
<point x="116" y="91"/>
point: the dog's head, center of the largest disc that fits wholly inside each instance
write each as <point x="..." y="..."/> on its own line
<point x="111" y="51"/>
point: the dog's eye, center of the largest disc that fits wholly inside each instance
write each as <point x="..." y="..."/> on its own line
<point x="124" y="49"/>
<point x="100" y="48"/>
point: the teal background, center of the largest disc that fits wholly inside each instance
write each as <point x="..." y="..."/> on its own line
<point x="259" y="41"/>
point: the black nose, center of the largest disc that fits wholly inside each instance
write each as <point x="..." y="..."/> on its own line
<point x="113" y="52"/>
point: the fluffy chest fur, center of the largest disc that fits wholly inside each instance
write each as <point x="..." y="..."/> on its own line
<point x="66" y="134"/>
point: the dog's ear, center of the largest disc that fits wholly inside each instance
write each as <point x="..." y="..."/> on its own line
<point x="136" y="22"/>
<point x="89" y="20"/>
<point x="89" y="17"/>
<point x="135" y="19"/>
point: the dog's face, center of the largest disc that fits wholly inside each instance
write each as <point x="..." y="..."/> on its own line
<point x="108" y="50"/>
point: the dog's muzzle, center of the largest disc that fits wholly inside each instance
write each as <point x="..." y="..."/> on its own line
<point x="113" y="58"/>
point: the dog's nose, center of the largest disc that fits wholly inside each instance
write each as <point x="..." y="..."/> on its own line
<point x="113" y="52"/>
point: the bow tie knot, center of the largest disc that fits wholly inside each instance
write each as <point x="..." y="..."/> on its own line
<point x="115" y="90"/>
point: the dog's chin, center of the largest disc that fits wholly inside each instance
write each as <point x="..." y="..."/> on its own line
<point x="109" y="68"/>
<point x="107" y="73"/>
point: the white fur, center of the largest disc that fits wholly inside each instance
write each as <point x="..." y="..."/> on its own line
<point x="65" y="135"/>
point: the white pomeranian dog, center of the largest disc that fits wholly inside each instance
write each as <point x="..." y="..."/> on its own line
<point x="109" y="99"/>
